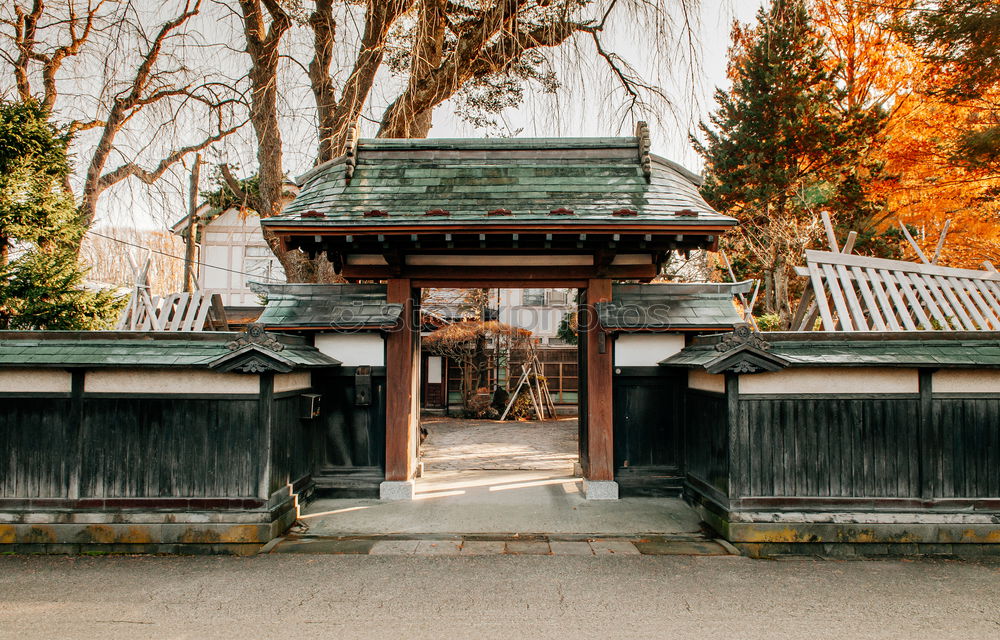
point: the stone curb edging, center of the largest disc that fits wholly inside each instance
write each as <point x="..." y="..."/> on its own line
<point x="491" y="544"/>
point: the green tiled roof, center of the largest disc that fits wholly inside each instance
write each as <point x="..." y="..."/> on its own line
<point x="917" y="349"/>
<point x="671" y="306"/>
<point x="328" y="305"/>
<point x="136" y="349"/>
<point x="468" y="178"/>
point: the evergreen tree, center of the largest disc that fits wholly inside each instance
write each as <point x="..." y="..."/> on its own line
<point x="41" y="282"/>
<point x="778" y="150"/>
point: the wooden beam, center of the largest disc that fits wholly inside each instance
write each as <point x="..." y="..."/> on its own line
<point x="400" y="364"/>
<point x="487" y="274"/>
<point x="465" y="283"/>
<point x="940" y="244"/>
<point x="600" y="362"/>
<point x="831" y="237"/>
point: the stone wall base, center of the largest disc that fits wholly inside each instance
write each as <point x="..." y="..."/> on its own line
<point x="67" y="531"/>
<point x="199" y="549"/>
<point x="849" y="550"/>
<point x="846" y="534"/>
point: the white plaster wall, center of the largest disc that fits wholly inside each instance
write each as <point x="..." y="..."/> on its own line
<point x="35" y="380"/>
<point x="542" y="321"/>
<point x="169" y="381"/>
<point x="223" y="253"/>
<point x="216" y="256"/>
<point x="698" y="379"/>
<point x="646" y="349"/>
<point x="292" y="381"/>
<point x="353" y="349"/>
<point x="843" y="380"/>
<point x="966" y="381"/>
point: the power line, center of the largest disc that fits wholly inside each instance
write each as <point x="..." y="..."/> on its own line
<point x="170" y="255"/>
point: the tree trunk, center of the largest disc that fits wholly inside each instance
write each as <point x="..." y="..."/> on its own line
<point x="324" y="31"/>
<point x="335" y="123"/>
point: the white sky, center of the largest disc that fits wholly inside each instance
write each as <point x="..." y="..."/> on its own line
<point x="589" y="105"/>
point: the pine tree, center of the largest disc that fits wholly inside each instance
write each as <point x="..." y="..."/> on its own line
<point x="778" y="150"/>
<point x="41" y="282"/>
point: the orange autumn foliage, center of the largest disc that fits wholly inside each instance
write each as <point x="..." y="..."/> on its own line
<point x="922" y="185"/>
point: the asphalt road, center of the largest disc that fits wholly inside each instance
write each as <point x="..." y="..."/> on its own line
<point x="508" y="597"/>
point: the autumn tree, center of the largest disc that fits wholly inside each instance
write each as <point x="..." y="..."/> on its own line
<point x="777" y="149"/>
<point x="462" y="343"/>
<point x="961" y="39"/>
<point x="148" y="109"/>
<point x="918" y="177"/>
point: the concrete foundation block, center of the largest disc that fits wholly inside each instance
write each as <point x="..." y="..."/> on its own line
<point x="600" y="489"/>
<point x="396" y="490"/>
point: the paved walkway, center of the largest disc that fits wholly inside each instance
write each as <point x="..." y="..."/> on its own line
<point x="500" y="502"/>
<point x="455" y="445"/>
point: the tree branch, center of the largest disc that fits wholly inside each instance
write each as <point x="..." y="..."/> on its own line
<point x="379" y="18"/>
<point x="131" y="169"/>
<point x="441" y="82"/>
<point x="249" y="200"/>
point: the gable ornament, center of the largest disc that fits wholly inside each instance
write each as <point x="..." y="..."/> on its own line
<point x="255" y="335"/>
<point x="743" y="336"/>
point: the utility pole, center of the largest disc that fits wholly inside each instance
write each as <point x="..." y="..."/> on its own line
<point x="192" y="230"/>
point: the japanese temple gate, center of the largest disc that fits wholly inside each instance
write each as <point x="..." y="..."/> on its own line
<point x="862" y="441"/>
<point x="542" y="213"/>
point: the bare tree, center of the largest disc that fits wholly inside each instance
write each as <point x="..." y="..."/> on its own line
<point x="442" y="47"/>
<point x="44" y="35"/>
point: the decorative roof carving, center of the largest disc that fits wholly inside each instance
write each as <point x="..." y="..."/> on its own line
<point x="351" y="153"/>
<point x="255" y="335"/>
<point x="645" y="143"/>
<point x="743" y="336"/>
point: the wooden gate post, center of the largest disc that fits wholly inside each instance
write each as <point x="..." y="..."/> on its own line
<point x="401" y="415"/>
<point x="599" y="481"/>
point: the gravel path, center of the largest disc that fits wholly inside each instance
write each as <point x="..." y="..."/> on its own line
<point x="495" y="596"/>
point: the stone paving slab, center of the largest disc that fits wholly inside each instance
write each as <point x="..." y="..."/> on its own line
<point x="438" y="548"/>
<point x="528" y="548"/>
<point x="613" y="547"/>
<point x="394" y="548"/>
<point x="570" y="548"/>
<point x="324" y="546"/>
<point x="476" y="546"/>
<point x="483" y="547"/>
<point x="681" y="548"/>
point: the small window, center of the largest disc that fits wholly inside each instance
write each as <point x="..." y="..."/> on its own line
<point x="559" y="296"/>
<point x="533" y="298"/>
<point x="259" y="252"/>
<point x="261" y="265"/>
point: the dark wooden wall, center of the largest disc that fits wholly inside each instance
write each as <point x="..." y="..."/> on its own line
<point x="788" y="451"/>
<point x="169" y="447"/>
<point x="82" y="447"/>
<point x="861" y="447"/>
<point x="36" y="437"/>
<point x="649" y="430"/>
<point x="129" y="447"/>
<point x="963" y="447"/>
<point x="351" y="436"/>
<point x="292" y="453"/>
<point x="706" y="460"/>
<point x="649" y="414"/>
